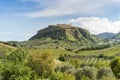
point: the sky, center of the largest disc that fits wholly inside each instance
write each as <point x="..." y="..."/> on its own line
<point x="21" y="19"/>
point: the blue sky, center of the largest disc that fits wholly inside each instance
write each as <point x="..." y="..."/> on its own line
<point x="20" y="19"/>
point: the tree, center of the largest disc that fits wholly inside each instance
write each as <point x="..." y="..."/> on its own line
<point x="41" y="63"/>
<point x="115" y="66"/>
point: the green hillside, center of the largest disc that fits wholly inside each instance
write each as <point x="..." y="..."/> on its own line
<point x="63" y="31"/>
<point x="107" y="51"/>
<point x="60" y="36"/>
<point x="112" y="51"/>
<point x="6" y="49"/>
<point x="55" y="52"/>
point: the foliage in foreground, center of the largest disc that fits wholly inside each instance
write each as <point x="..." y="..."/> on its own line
<point x="115" y="66"/>
<point x="16" y="72"/>
<point x="41" y="63"/>
<point x="105" y="73"/>
<point x="62" y="76"/>
<point x="21" y="65"/>
<point x="89" y="72"/>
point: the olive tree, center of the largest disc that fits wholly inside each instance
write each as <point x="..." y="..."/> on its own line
<point x="41" y="63"/>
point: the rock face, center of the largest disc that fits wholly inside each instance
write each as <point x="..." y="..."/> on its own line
<point x="63" y="32"/>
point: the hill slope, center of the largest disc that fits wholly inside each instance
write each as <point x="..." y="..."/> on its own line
<point x="111" y="51"/>
<point x="64" y="32"/>
<point x="5" y="49"/>
<point x="2" y="45"/>
<point x="63" y="36"/>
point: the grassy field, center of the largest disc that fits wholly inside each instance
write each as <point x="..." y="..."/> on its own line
<point x="6" y="49"/>
<point x="55" y="52"/>
<point x="107" y="51"/>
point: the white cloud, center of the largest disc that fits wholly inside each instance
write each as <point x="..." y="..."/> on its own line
<point x="97" y="25"/>
<point x="49" y="13"/>
<point x="72" y="7"/>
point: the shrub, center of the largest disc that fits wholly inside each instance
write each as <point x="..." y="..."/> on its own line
<point x="41" y="63"/>
<point x="17" y="56"/>
<point x="89" y="72"/>
<point x="62" y="76"/>
<point x="71" y="71"/>
<point x="62" y="58"/>
<point x="101" y="64"/>
<point x="75" y="62"/>
<point x="66" y="67"/>
<point x="115" y="66"/>
<point x="104" y="73"/>
<point x="16" y="72"/>
<point x="107" y="78"/>
<point x="84" y="78"/>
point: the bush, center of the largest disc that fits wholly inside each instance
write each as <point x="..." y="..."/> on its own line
<point x="62" y="76"/>
<point x="17" y="56"/>
<point x="84" y="78"/>
<point x="62" y="58"/>
<point x="41" y="63"/>
<point x="107" y="78"/>
<point x="101" y="64"/>
<point x="75" y="62"/>
<point x="88" y="72"/>
<point x="71" y="71"/>
<point x="66" y="67"/>
<point x="16" y="72"/>
<point x="104" y="73"/>
<point x="115" y="66"/>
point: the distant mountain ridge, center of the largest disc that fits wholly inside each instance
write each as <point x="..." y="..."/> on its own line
<point x="116" y="36"/>
<point x="63" y="31"/>
<point x="106" y="35"/>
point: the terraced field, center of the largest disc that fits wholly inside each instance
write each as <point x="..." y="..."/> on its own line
<point x="94" y="60"/>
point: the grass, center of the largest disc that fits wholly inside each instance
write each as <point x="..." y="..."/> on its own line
<point x="107" y="52"/>
<point x="6" y="49"/>
<point x="6" y="46"/>
<point x="55" y="52"/>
